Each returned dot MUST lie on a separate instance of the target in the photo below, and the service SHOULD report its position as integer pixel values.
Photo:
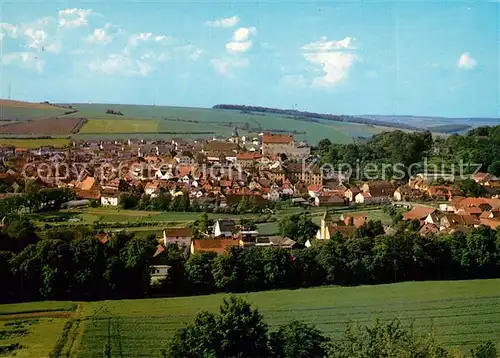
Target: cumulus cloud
(238, 46)
(241, 40)
(128, 65)
(466, 61)
(26, 60)
(225, 22)
(334, 58)
(9, 30)
(100, 36)
(227, 66)
(243, 33)
(71, 18)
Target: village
(221, 173)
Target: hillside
(462, 314)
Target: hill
(462, 313)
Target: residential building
(218, 246)
(276, 144)
(110, 198)
(224, 228)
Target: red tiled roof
(214, 245)
(418, 213)
(248, 156)
(178, 232)
(277, 138)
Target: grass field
(119, 126)
(462, 313)
(35, 143)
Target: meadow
(461, 313)
(35, 143)
(114, 216)
(119, 126)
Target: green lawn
(462, 313)
(35, 143)
(119, 126)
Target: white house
(273, 195)
(152, 190)
(110, 198)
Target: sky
(434, 58)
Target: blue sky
(419, 58)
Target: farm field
(35, 143)
(51, 126)
(119, 126)
(462, 314)
(19, 110)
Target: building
(224, 228)
(305, 173)
(110, 198)
(218, 246)
(329, 228)
(180, 236)
(276, 144)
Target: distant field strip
(119, 126)
(35, 143)
(51, 126)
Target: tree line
(478, 146)
(73, 264)
(239, 330)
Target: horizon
(436, 59)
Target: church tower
(325, 221)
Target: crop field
(34, 329)
(221, 122)
(462, 314)
(18, 110)
(35, 143)
(51, 126)
(119, 126)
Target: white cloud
(324, 45)
(238, 46)
(243, 33)
(135, 39)
(99, 37)
(125, 64)
(191, 52)
(9, 29)
(466, 61)
(334, 58)
(241, 40)
(71, 18)
(227, 22)
(226, 66)
(26, 60)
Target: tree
(494, 168)
(470, 188)
(298, 227)
(298, 340)
(383, 341)
(199, 271)
(485, 350)
(237, 331)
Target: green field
(35, 143)
(20, 113)
(119, 126)
(214, 122)
(462, 314)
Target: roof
(177, 232)
(226, 224)
(248, 156)
(213, 245)
(428, 229)
(342, 230)
(418, 213)
(492, 223)
(87, 183)
(277, 138)
(159, 250)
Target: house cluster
(460, 214)
(222, 171)
(224, 233)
